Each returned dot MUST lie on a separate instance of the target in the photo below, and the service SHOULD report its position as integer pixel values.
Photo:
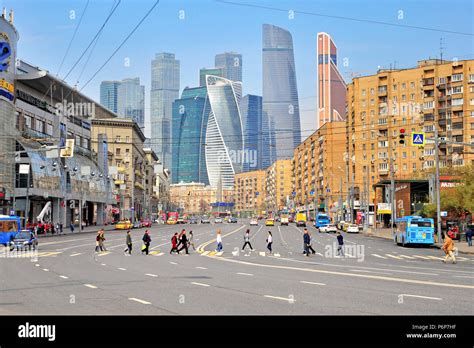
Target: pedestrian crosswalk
(416, 257)
(28, 254)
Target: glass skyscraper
(281, 116)
(251, 111)
(209, 71)
(109, 94)
(224, 138)
(131, 101)
(164, 91)
(190, 117)
(231, 63)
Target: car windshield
(22, 236)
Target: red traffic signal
(402, 136)
(402, 130)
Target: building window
(404, 97)
(412, 85)
(457, 102)
(127, 139)
(456, 90)
(39, 126)
(117, 139)
(404, 85)
(394, 87)
(117, 152)
(414, 166)
(412, 96)
(413, 154)
(372, 91)
(49, 129)
(404, 155)
(363, 92)
(405, 167)
(383, 166)
(456, 77)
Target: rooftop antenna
(11, 16)
(441, 49)
(4, 13)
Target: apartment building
(278, 185)
(249, 192)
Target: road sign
(257, 193)
(293, 193)
(444, 214)
(311, 192)
(418, 139)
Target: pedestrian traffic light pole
(438, 199)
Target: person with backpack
(340, 244)
(146, 241)
(174, 243)
(128, 242)
(184, 242)
(247, 240)
(269, 242)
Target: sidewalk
(386, 233)
(89, 229)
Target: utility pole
(438, 201)
(340, 200)
(392, 187)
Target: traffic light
(401, 136)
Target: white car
(218, 220)
(328, 228)
(353, 229)
(254, 222)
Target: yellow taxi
(270, 222)
(171, 222)
(123, 225)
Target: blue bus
(9, 227)
(322, 220)
(414, 230)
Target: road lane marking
(219, 253)
(104, 253)
(424, 297)
(421, 257)
(76, 254)
(203, 245)
(464, 277)
(122, 269)
(199, 267)
(393, 257)
(64, 241)
(64, 277)
(37, 265)
(245, 274)
(138, 300)
(436, 258)
(91, 286)
(173, 263)
(103, 264)
(363, 270)
(407, 257)
(262, 253)
(205, 253)
(382, 257)
(151, 275)
(212, 253)
(45, 269)
(280, 298)
(312, 283)
(200, 284)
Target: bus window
(420, 223)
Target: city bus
(322, 220)
(10, 225)
(414, 230)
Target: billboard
(8, 42)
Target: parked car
(205, 220)
(232, 220)
(137, 224)
(24, 240)
(254, 222)
(217, 220)
(193, 220)
(270, 222)
(146, 223)
(123, 225)
(328, 228)
(352, 228)
(171, 221)
(180, 220)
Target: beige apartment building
(278, 185)
(433, 95)
(319, 166)
(196, 198)
(249, 192)
(127, 163)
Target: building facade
(331, 85)
(432, 95)
(320, 171)
(209, 71)
(224, 138)
(251, 110)
(190, 118)
(249, 193)
(131, 101)
(164, 90)
(278, 185)
(281, 115)
(231, 64)
(109, 95)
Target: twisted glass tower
(224, 137)
(281, 115)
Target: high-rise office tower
(164, 90)
(281, 115)
(190, 117)
(251, 111)
(109, 94)
(231, 63)
(131, 101)
(331, 85)
(209, 71)
(224, 138)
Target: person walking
(310, 247)
(247, 240)
(61, 228)
(448, 247)
(469, 234)
(269, 242)
(184, 242)
(128, 242)
(219, 241)
(180, 235)
(174, 243)
(102, 240)
(71, 227)
(146, 241)
(306, 242)
(340, 244)
(190, 240)
(97, 242)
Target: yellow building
(127, 163)
(196, 198)
(319, 167)
(249, 192)
(434, 94)
(278, 185)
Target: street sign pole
(438, 201)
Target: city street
(375, 277)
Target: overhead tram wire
(123, 42)
(72, 38)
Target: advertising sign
(8, 40)
(384, 208)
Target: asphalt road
(66, 276)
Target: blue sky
(211, 27)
